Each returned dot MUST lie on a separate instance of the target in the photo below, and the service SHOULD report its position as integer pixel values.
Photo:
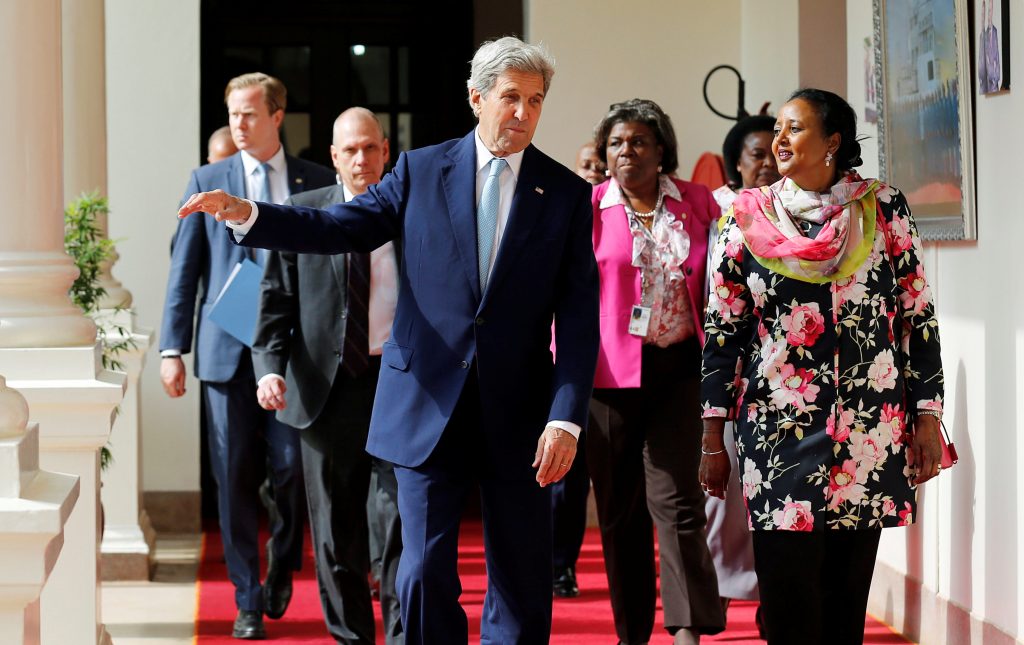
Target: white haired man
(496, 244)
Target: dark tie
(357, 325)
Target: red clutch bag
(949, 456)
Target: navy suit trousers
(241, 436)
(517, 539)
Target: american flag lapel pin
(540, 191)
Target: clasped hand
(270, 393)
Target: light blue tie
(262, 176)
(487, 219)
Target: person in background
(823, 347)
(643, 446)
(242, 436)
(322, 322)
(569, 496)
(749, 163)
(748, 158)
(220, 145)
(589, 164)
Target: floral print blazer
(819, 377)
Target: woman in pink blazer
(643, 445)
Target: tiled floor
(162, 611)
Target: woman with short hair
(643, 442)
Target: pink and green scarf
(768, 218)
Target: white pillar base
(73, 399)
(128, 537)
(34, 507)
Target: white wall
(153, 133)
(656, 49)
(860, 25)
(770, 51)
(963, 565)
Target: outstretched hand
(219, 204)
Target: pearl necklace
(646, 218)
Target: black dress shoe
(277, 592)
(565, 583)
(249, 626)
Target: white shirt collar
(613, 196)
(484, 156)
(250, 163)
(349, 195)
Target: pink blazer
(618, 362)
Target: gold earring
(828, 159)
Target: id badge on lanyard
(639, 320)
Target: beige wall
(770, 52)
(612, 51)
(958, 576)
(153, 133)
(823, 44)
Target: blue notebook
(237, 305)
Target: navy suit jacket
(544, 271)
(202, 258)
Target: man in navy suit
(496, 247)
(243, 437)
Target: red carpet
(586, 619)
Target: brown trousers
(643, 451)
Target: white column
(34, 506)
(47, 348)
(128, 536)
(35, 273)
(85, 117)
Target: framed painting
(925, 117)
(993, 46)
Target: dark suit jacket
(300, 330)
(544, 270)
(202, 257)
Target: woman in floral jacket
(820, 337)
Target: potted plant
(90, 249)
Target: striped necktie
(357, 324)
(487, 219)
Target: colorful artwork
(993, 46)
(925, 122)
